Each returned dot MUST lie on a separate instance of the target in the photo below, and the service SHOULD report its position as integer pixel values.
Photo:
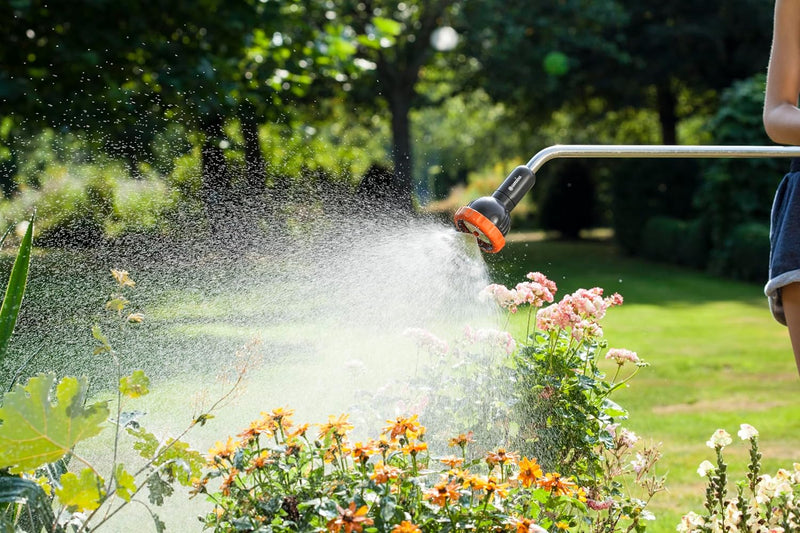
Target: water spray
(488, 218)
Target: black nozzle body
(515, 186)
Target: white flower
(747, 432)
(628, 438)
(704, 468)
(639, 463)
(690, 523)
(719, 439)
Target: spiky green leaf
(15, 289)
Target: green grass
(717, 357)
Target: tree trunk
(255, 166)
(667, 102)
(216, 182)
(400, 104)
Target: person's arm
(781, 114)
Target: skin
(782, 121)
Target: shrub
(676, 241)
(736, 191)
(744, 254)
(642, 189)
(542, 395)
(568, 202)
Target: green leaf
(84, 493)
(15, 289)
(613, 409)
(159, 489)
(387, 26)
(36, 430)
(135, 385)
(104, 344)
(126, 483)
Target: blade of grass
(15, 289)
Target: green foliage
(744, 254)
(641, 189)
(734, 191)
(568, 198)
(672, 240)
(42, 423)
(15, 290)
(40, 427)
(80, 493)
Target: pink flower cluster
(428, 341)
(578, 312)
(622, 356)
(536, 292)
(492, 337)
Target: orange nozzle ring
(490, 238)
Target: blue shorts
(784, 237)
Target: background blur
(120, 117)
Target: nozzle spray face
(488, 218)
(485, 218)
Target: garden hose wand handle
(489, 219)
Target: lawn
(717, 358)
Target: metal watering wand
(489, 218)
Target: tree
(200, 62)
(395, 37)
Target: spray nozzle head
(487, 219)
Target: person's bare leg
(790, 294)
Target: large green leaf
(36, 430)
(15, 289)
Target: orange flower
(337, 427)
(442, 492)
(452, 461)
(256, 428)
(406, 527)
(225, 486)
(524, 525)
(529, 472)
(557, 486)
(299, 431)
(383, 473)
(493, 487)
(462, 440)
(221, 451)
(383, 444)
(362, 452)
(474, 482)
(500, 457)
(413, 448)
(350, 519)
(402, 425)
(260, 461)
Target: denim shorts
(784, 237)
